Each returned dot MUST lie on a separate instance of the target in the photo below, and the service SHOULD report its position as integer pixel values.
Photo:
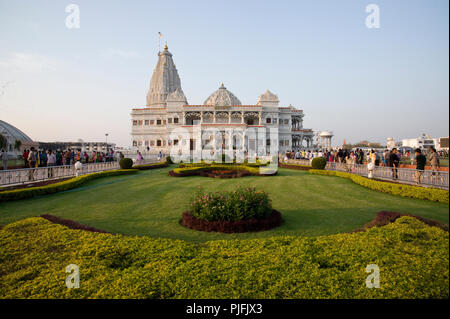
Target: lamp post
(106, 137)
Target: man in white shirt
(51, 158)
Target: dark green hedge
(318, 163)
(126, 163)
(150, 166)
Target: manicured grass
(151, 202)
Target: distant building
(423, 142)
(443, 143)
(83, 146)
(325, 139)
(390, 143)
(17, 141)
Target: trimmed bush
(23, 193)
(189, 170)
(224, 173)
(384, 218)
(241, 204)
(150, 166)
(427, 193)
(72, 224)
(295, 166)
(318, 163)
(239, 226)
(169, 160)
(126, 163)
(413, 259)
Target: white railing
(39, 174)
(438, 179)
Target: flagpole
(159, 41)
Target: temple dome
(222, 97)
(12, 133)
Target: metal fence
(438, 179)
(39, 174)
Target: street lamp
(106, 136)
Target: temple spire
(165, 80)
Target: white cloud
(27, 62)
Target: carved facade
(222, 112)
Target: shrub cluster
(239, 226)
(295, 166)
(150, 166)
(413, 259)
(258, 163)
(169, 160)
(383, 218)
(224, 173)
(241, 204)
(23, 193)
(71, 224)
(318, 163)
(192, 170)
(428, 193)
(126, 163)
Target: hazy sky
(64, 84)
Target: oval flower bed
(242, 210)
(206, 169)
(224, 173)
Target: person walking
(393, 162)
(371, 164)
(32, 158)
(67, 157)
(25, 157)
(51, 161)
(386, 158)
(434, 161)
(420, 160)
(4, 156)
(58, 157)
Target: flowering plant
(243, 203)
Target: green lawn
(151, 202)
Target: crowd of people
(389, 158)
(44, 158)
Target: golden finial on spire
(165, 47)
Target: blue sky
(64, 84)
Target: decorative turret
(165, 80)
(268, 99)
